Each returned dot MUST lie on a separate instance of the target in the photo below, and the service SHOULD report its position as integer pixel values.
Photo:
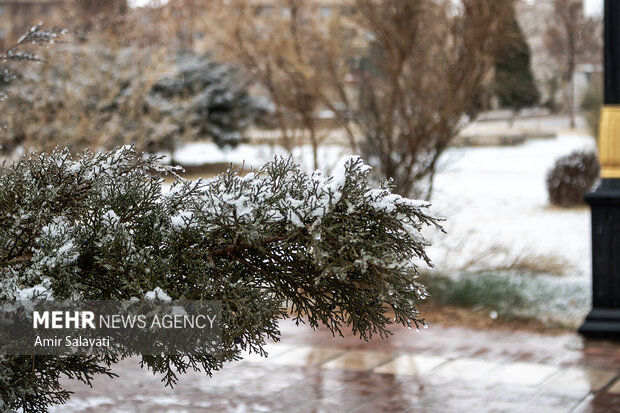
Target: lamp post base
(602, 323)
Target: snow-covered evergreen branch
(103, 227)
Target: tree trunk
(315, 147)
(571, 100)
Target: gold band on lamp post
(609, 141)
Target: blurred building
(535, 18)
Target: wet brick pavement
(436, 370)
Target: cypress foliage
(515, 85)
(102, 227)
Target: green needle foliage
(515, 85)
(102, 226)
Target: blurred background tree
(394, 81)
(572, 38)
(551, 85)
(274, 48)
(397, 76)
(591, 103)
(514, 83)
(102, 97)
(92, 15)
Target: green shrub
(491, 290)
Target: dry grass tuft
(501, 258)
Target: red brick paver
(436, 370)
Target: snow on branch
(37, 36)
(101, 227)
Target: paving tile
(306, 356)
(324, 382)
(443, 369)
(232, 377)
(396, 399)
(242, 403)
(498, 407)
(601, 354)
(410, 365)
(581, 379)
(354, 395)
(552, 401)
(531, 408)
(275, 382)
(339, 402)
(273, 350)
(358, 360)
(452, 403)
(466, 369)
(602, 402)
(615, 388)
(384, 404)
(442, 405)
(583, 407)
(291, 374)
(289, 401)
(418, 397)
(512, 393)
(371, 384)
(523, 374)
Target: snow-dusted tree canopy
(103, 227)
(151, 100)
(19, 52)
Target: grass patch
(511, 295)
(487, 290)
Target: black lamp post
(603, 321)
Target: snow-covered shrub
(571, 178)
(98, 97)
(100, 227)
(21, 52)
(215, 102)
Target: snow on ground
(496, 197)
(200, 153)
(497, 210)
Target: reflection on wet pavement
(436, 370)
